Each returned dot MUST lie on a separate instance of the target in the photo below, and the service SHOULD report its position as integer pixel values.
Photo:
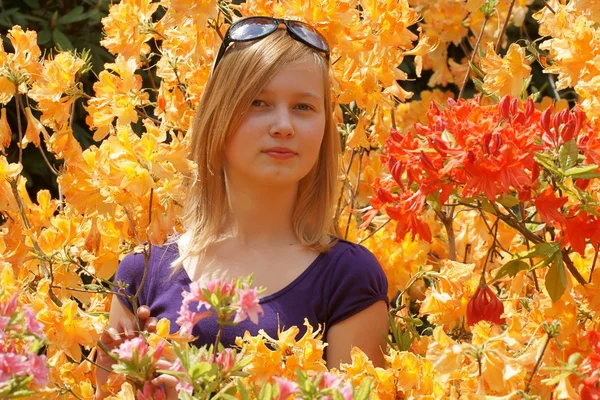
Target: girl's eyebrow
(299, 94)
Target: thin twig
(537, 364)
(593, 266)
(20, 128)
(360, 156)
(572, 268)
(548, 7)
(553, 86)
(376, 230)
(338, 209)
(447, 220)
(499, 42)
(531, 263)
(462, 88)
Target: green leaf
(556, 279)
(242, 390)
(433, 199)
(487, 206)
(567, 155)
(574, 358)
(477, 70)
(71, 16)
(337, 395)
(511, 268)
(364, 390)
(584, 172)
(508, 201)
(488, 8)
(61, 40)
(266, 393)
(35, 4)
(197, 370)
(44, 36)
(558, 378)
(547, 163)
(8, 12)
(539, 250)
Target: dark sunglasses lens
(309, 35)
(251, 28)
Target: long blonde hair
(234, 84)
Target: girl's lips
(280, 156)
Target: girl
(266, 149)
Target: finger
(150, 325)
(143, 312)
(128, 329)
(169, 383)
(110, 336)
(163, 364)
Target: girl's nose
(282, 124)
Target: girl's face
(288, 113)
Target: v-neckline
(187, 280)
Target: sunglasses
(253, 28)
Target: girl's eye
(305, 107)
(257, 103)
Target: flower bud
(484, 306)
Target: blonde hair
(234, 84)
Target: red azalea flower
(590, 387)
(484, 306)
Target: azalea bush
(214, 371)
(22, 369)
(482, 211)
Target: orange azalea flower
(126, 28)
(5, 131)
(34, 128)
(505, 76)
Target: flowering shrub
(482, 212)
(22, 369)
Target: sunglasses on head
(253, 28)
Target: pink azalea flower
(125, 350)
(3, 324)
(32, 324)
(330, 380)
(226, 360)
(38, 369)
(12, 364)
(188, 319)
(182, 386)
(249, 305)
(346, 391)
(150, 393)
(286, 388)
(196, 295)
(158, 351)
(6, 309)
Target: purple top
(335, 286)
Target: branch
(360, 156)
(462, 88)
(572, 269)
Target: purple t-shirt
(335, 286)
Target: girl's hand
(121, 329)
(113, 336)
(168, 382)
